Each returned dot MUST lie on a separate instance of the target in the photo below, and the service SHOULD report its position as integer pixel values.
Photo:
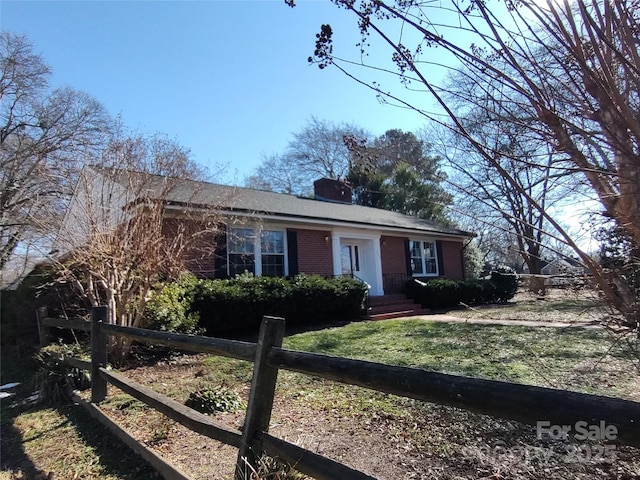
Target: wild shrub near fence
(170, 307)
(524, 403)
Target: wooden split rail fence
(524, 403)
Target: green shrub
(241, 302)
(169, 308)
(444, 293)
(506, 283)
(436, 293)
(472, 261)
(471, 292)
(214, 400)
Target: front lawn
(391, 437)
(385, 436)
(557, 305)
(587, 360)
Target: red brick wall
(393, 255)
(452, 259)
(315, 257)
(394, 260)
(314, 252)
(199, 257)
(394, 264)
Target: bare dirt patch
(400, 439)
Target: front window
(245, 245)
(241, 251)
(272, 253)
(423, 258)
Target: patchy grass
(592, 361)
(57, 440)
(558, 305)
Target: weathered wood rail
(524, 403)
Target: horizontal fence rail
(70, 323)
(511, 401)
(73, 362)
(524, 403)
(196, 421)
(310, 463)
(192, 343)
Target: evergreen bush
(240, 303)
(506, 284)
(169, 308)
(215, 400)
(443, 293)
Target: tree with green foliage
(397, 173)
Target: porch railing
(394, 282)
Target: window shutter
(407, 256)
(440, 258)
(220, 260)
(292, 251)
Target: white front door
(357, 254)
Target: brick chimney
(330, 190)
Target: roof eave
(302, 219)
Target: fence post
(263, 386)
(98, 354)
(43, 330)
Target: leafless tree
(572, 68)
(44, 137)
(530, 162)
(318, 150)
(129, 225)
(278, 173)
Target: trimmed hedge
(444, 293)
(241, 302)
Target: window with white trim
(245, 245)
(272, 253)
(423, 258)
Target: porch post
(336, 253)
(377, 263)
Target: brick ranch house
(267, 233)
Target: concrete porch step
(398, 314)
(388, 300)
(393, 306)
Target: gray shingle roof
(270, 204)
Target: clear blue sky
(227, 79)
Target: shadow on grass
(115, 457)
(17, 367)
(14, 457)
(23, 454)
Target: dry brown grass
(557, 305)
